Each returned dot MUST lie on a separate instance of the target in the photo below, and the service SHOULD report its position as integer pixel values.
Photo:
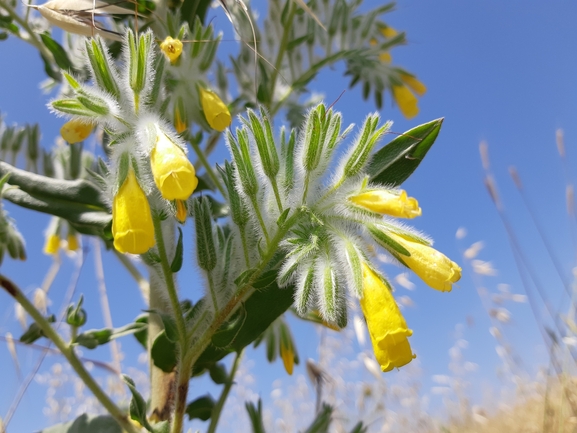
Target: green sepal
(101, 68)
(34, 332)
(73, 107)
(163, 353)
(76, 315)
(200, 408)
(178, 254)
(369, 137)
(396, 161)
(137, 408)
(205, 248)
(386, 241)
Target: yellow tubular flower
(406, 101)
(288, 358)
(172, 48)
(389, 32)
(387, 326)
(132, 226)
(173, 173)
(385, 202)
(75, 131)
(433, 267)
(72, 243)
(414, 84)
(181, 212)
(215, 111)
(52, 244)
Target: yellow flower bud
(386, 57)
(389, 32)
(132, 226)
(385, 202)
(406, 101)
(172, 48)
(433, 267)
(288, 357)
(75, 131)
(414, 84)
(215, 111)
(181, 212)
(173, 173)
(386, 324)
(180, 123)
(72, 242)
(52, 244)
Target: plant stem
(281, 51)
(68, 352)
(244, 247)
(245, 291)
(207, 167)
(169, 279)
(142, 282)
(277, 195)
(32, 38)
(260, 220)
(212, 291)
(216, 411)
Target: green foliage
(200, 408)
(87, 424)
(396, 161)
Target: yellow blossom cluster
(386, 324)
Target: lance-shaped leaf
(396, 161)
(87, 424)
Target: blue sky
(503, 72)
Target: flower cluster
(126, 102)
(339, 221)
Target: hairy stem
(281, 51)
(216, 411)
(68, 352)
(207, 167)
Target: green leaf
(142, 335)
(226, 334)
(178, 254)
(163, 353)
(137, 404)
(60, 56)
(200, 408)
(322, 422)
(169, 324)
(218, 374)
(396, 161)
(255, 415)
(87, 424)
(261, 309)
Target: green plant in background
(292, 220)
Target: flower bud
(75, 131)
(173, 173)
(181, 211)
(172, 48)
(433, 267)
(406, 100)
(386, 324)
(215, 111)
(132, 226)
(72, 242)
(389, 203)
